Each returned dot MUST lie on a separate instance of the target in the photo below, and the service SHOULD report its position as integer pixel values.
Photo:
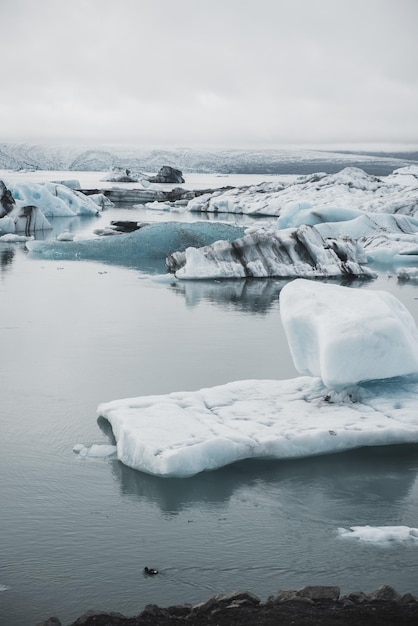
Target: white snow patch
(385, 535)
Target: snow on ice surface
(52, 199)
(183, 433)
(350, 189)
(346, 336)
(280, 253)
(383, 535)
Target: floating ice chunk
(295, 214)
(183, 433)
(381, 534)
(346, 335)
(13, 238)
(53, 199)
(281, 253)
(407, 273)
(4, 588)
(95, 451)
(391, 248)
(66, 235)
(102, 200)
(370, 225)
(351, 189)
(151, 241)
(7, 225)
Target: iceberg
(53, 199)
(351, 189)
(184, 433)
(276, 253)
(18, 217)
(151, 242)
(374, 332)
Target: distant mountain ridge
(270, 161)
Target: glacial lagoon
(77, 533)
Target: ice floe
(351, 189)
(383, 535)
(184, 433)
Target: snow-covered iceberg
(184, 433)
(281, 253)
(350, 189)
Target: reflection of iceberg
(380, 471)
(151, 242)
(250, 295)
(183, 433)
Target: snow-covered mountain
(273, 161)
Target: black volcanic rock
(311, 606)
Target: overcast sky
(239, 73)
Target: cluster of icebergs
(327, 225)
(358, 353)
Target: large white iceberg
(351, 189)
(183, 433)
(346, 336)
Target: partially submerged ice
(346, 336)
(279, 253)
(152, 241)
(183, 433)
(25, 207)
(349, 189)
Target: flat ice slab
(346, 336)
(184, 433)
(384, 535)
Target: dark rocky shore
(321, 606)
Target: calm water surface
(76, 534)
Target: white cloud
(222, 71)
